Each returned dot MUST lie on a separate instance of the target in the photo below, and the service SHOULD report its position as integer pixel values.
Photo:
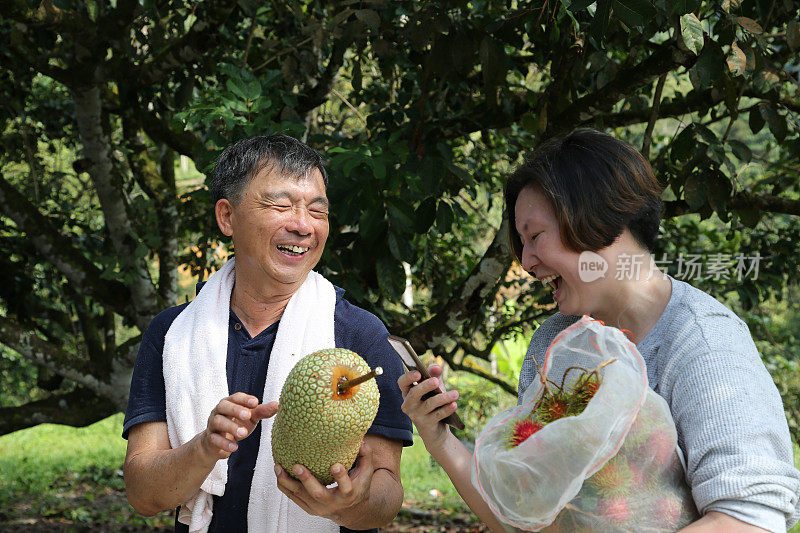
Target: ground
(86, 508)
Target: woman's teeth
(546, 281)
(293, 250)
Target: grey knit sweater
(731, 425)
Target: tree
(421, 108)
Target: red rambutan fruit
(614, 477)
(614, 509)
(523, 429)
(668, 511)
(660, 446)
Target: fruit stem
(345, 383)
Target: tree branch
(31, 347)
(77, 409)
(742, 200)
(648, 132)
(666, 58)
(57, 249)
(477, 291)
(204, 35)
(511, 389)
(96, 146)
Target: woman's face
(545, 256)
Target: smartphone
(412, 362)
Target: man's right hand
(233, 419)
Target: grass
(74, 474)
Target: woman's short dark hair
(597, 185)
(242, 161)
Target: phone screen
(412, 362)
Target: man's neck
(259, 309)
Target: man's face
(279, 227)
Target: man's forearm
(385, 499)
(157, 479)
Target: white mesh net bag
(591, 448)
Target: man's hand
(338, 503)
(233, 419)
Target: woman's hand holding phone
(428, 411)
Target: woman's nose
(529, 259)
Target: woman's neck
(636, 305)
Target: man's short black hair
(242, 161)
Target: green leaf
(578, 5)
(737, 61)
(684, 145)
(695, 191)
(634, 12)
(444, 217)
(741, 150)
(749, 25)
(692, 33)
(369, 17)
(719, 193)
(749, 217)
(245, 86)
(401, 215)
(529, 122)
(599, 25)
(391, 277)
(378, 165)
(401, 248)
(681, 7)
(706, 134)
(424, 215)
(775, 122)
(493, 61)
(793, 34)
(356, 81)
(710, 65)
(755, 120)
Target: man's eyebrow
(283, 195)
(320, 200)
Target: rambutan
(523, 428)
(552, 407)
(614, 509)
(668, 511)
(660, 446)
(614, 477)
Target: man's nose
(300, 221)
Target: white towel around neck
(195, 354)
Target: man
(193, 444)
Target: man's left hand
(337, 503)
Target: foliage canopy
(420, 107)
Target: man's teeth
(293, 249)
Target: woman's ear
(224, 212)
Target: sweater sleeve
(731, 424)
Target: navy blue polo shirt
(354, 329)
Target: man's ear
(224, 211)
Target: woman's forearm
(455, 459)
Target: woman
(589, 192)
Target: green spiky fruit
(317, 425)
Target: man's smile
(293, 249)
